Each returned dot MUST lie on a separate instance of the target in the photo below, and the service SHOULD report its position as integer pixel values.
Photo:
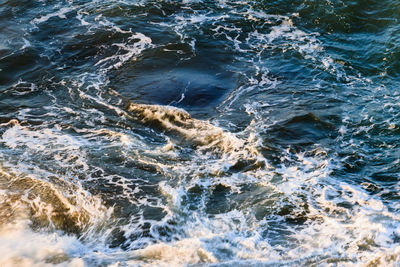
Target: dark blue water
(176, 133)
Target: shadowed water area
(199, 133)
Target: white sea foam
(61, 13)
(180, 253)
(18, 136)
(20, 246)
(366, 226)
(140, 43)
(22, 88)
(29, 200)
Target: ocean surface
(199, 133)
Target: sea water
(194, 132)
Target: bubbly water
(194, 132)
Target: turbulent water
(194, 132)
